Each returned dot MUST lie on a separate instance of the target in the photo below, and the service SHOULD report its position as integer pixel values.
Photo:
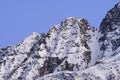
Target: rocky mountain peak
(71, 50)
(111, 20)
(73, 20)
(110, 29)
(117, 5)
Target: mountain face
(72, 50)
(110, 29)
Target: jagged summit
(71, 50)
(111, 20)
(73, 20)
(117, 5)
(110, 38)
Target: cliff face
(72, 50)
(110, 29)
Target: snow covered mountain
(72, 50)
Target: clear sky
(19, 18)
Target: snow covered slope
(72, 50)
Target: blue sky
(19, 18)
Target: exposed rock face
(71, 38)
(72, 50)
(110, 29)
(4, 52)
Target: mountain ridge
(72, 50)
